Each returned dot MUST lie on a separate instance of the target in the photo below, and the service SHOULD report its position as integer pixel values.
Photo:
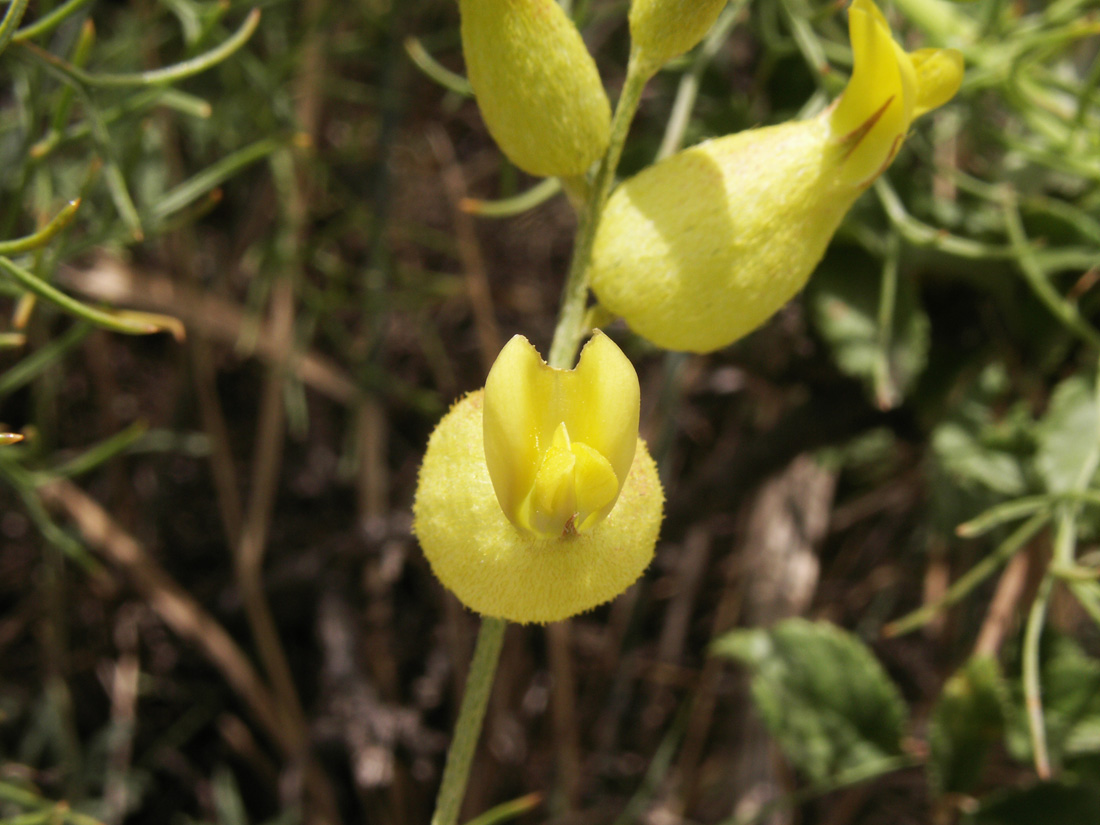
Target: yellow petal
(513, 574)
(536, 417)
(517, 391)
(603, 402)
(939, 75)
(872, 116)
(597, 485)
(552, 502)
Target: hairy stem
(479, 684)
(570, 328)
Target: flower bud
(536, 498)
(663, 29)
(536, 85)
(702, 248)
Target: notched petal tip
(559, 443)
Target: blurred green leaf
(845, 305)
(967, 721)
(1048, 803)
(963, 454)
(1069, 436)
(822, 694)
(227, 798)
(981, 452)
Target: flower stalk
(460, 756)
(570, 328)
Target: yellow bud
(663, 29)
(536, 85)
(702, 248)
(536, 498)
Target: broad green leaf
(822, 694)
(1048, 803)
(979, 452)
(964, 455)
(1069, 436)
(967, 720)
(845, 306)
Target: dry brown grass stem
(187, 619)
(115, 282)
(469, 249)
(563, 700)
(175, 607)
(1015, 589)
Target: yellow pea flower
(703, 247)
(663, 29)
(536, 85)
(536, 498)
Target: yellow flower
(663, 29)
(702, 248)
(536, 85)
(536, 498)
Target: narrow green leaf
(516, 205)
(44, 235)
(508, 810)
(822, 694)
(200, 184)
(11, 21)
(153, 77)
(130, 323)
(435, 70)
(49, 22)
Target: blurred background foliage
(243, 276)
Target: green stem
(570, 328)
(1033, 698)
(11, 20)
(886, 392)
(153, 77)
(975, 576)
(44, 25)
(479, 684)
